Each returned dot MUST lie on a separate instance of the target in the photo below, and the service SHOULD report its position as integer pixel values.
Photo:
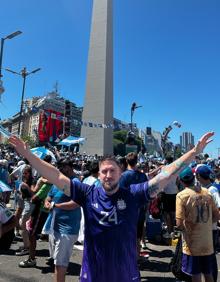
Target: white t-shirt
(215, 195)
(171, 187)
(90, 180)
(5, 214)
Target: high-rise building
(98, 105)
(186, 141)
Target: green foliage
(119, 142)
(120, 135)
(138, 142)
(177, 152)
(5, 142)
(118, 147)
(119, 138)
(31, 141)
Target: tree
(177, 152)
(120, 135)
(119, 147)
(119, 142)
(31, 141)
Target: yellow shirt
(196, 209)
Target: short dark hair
(94, 167)
(109, 158)
(189, 182)
(132, 158)
(217, 173)
(122, 161)
(169, 159)
(48, 159)
(64, 162)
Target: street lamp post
(133, 108)
(131, 136)
(24, 73)
(10, 36)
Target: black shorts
(141, 221)
(195, 265)
(169, 202)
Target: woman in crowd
(26, 188)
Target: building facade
(73, 118)
(49, 115)
(152, 141)
(186, 141)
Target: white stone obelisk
(98, 105)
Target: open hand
(203, 141)
(20, 146)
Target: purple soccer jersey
(110, 252)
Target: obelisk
(98, 104)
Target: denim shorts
(28, 208)
(194, 265)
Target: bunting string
(87, 123)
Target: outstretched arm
(52, 174)
(157, 183)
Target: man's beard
(110, 188)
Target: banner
(50, 125)
(58, 116)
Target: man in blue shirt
(63, 223)
(133, 176)
(111, 212)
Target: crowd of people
(102, 203)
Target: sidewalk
(155, 269)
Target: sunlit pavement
(153, 269)
(156, 268)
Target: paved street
(156, 269)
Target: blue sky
(166, 58)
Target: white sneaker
(78, 247)
(27, 263)
(22, 252)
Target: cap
(186, 175)
(20, 163)
(205, 172)
(4, 163)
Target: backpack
(176, 264)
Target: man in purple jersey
(110, 211)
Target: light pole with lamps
(133, 108)
(130, 140)
(10, 36)
(24, 73)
